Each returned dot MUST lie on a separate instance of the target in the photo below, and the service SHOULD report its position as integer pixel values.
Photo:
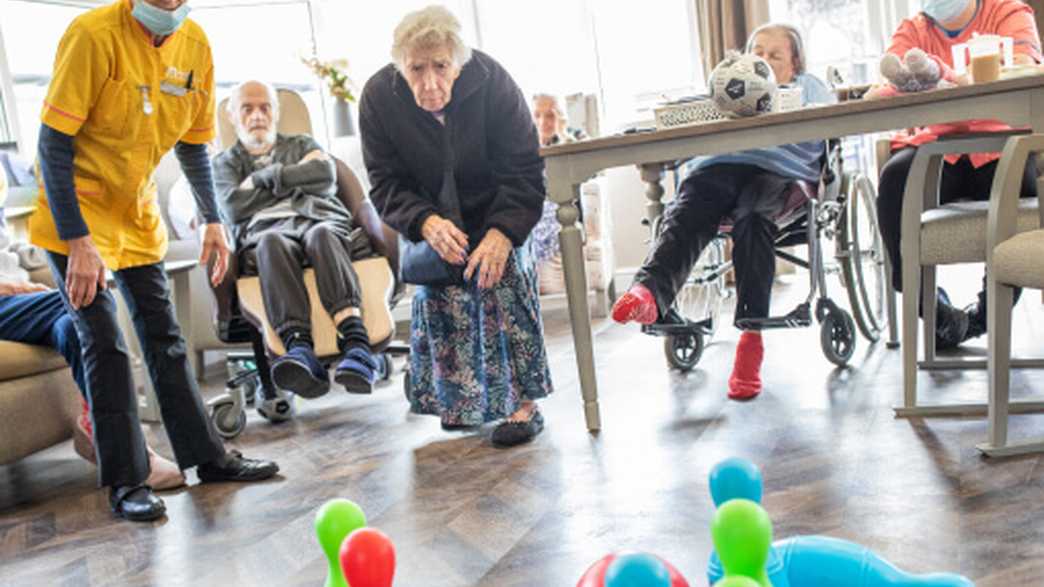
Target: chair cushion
(956, 233)
(375, 278)
(1017, 261)
(21, 360)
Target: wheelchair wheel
(228, 421)
(683, 351)
(701, 296)
(837, 337)
(862, 256)
(385, 369)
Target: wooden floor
(462, 513)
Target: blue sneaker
(357, 371)
(300, 371)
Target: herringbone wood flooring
(462, 513)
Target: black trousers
(118, 438)
(959, 181)
(279, 254)
(752, 197)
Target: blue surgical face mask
(160, 22)
(944, 10)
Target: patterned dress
(476, 354)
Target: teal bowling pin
(335, 520)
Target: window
(546, 45)
(264, 40)
(623, 52)
(30, 56)
(644, 50)
(850, 35)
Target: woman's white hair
(426, 29)
(797, 45)
(233, 99)
(556, 105)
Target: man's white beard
(254, 144)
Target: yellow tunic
(127, 103)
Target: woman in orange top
(939, 26)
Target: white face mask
(944, 10)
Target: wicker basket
(697, 111)
(703, 110)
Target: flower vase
(343, 125)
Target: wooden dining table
(1018, 102)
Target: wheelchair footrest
(799, 317)
(673, 324)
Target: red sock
(637, 305)
(85, 419)
(745, 382)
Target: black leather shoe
(951, 327)
(459, 427)
(236, 468)
(136, 503)
(976, 321)
(508, 433)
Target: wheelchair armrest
(385, 239)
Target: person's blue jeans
(40, 319)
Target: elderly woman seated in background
(552, 129)
(447, 134)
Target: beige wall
(627, 200)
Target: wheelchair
(240, 315)
(841, 208)
(241, 318)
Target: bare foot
(165, 474)
(524, 413)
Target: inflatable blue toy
(799, 561)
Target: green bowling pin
(336, 519)
(742, 533)
(737, 581)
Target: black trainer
(508, 433)
(236, 468)
(136, 503)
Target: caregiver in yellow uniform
(131, 81)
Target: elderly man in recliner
(278, 193)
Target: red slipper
(745, 382)
(637, 305)
(83, 442)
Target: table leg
(652, 175)
(571, 239)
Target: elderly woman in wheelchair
(752, 188)
(277, 192)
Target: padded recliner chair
(240, 308)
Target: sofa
(39, 402)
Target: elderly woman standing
(441, 113)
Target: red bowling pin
(368, 558)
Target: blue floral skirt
(476, 354)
